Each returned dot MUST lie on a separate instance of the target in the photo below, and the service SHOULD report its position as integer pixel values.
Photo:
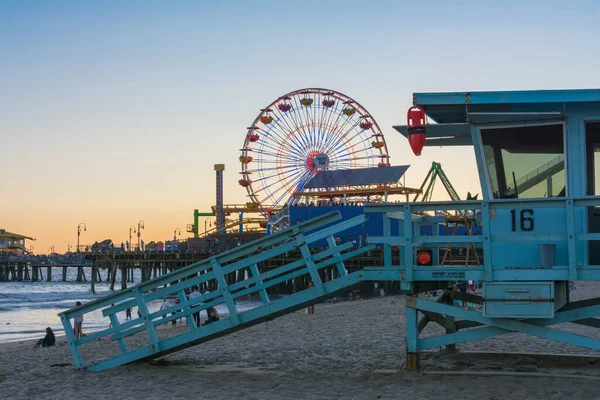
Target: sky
(113, 112)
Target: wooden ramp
(214, 272)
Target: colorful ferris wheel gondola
(301, 134)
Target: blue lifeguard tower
(537, 158)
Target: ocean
(27, 308)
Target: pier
(123, 269)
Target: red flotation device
(416, 129)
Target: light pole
(175, 234)
(139, 232)
(209, 224)
(129, 246)
(79, 232)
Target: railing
(511, 232)
(537, 175)
(49, 261)
(213, 273)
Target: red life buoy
(416, 128)
(423, 257)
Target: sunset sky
(112, 112)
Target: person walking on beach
(165, 304)
(47, 341)
(128, 314)
(78, 320)
(311, 308)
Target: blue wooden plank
(340, 266)
(412, 330)
(542, 237)
(115, 322)
(571, 246)
(387, 232)
(71, 339)
(310, 264)
(188, 316)
(408, 249)
(224, 288)
(487, 245)
(264, 297)
(508, 97)
(402, 240)
(143, 309)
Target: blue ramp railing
(140, 339)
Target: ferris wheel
(301, 134)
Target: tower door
(592, 132)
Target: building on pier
(13, 242)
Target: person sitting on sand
(213, 315)
(48, 340)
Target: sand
(348, 350)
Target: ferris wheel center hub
(317, 161)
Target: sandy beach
(348, 350)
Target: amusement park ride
(538, 160)
(298, 136)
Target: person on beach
(165, 304)
(47, 341)
(211, 314)
(195, 293)
(311, 308)
(128, 314)
(78, 320)
(174, 322)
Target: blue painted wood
(188, 315)
(71, 339)
(340, 266)
(264, 297)
(150, 328)
(224, 289)
(387, 231)
(509, 97)
(310, 264)
(487, 243)
(115, 322)
(571, 241)
(409, 252)
(518, 299)
(412, 330)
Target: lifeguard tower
(537, 157)
(538, 160)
